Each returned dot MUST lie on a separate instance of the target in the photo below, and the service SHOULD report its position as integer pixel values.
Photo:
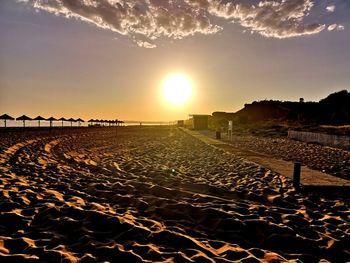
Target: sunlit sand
(174, 131)
(155, 194)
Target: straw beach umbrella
(39, 118)
(24, 118)
(6, 117)
(71, 121)
(51, 119)
(95, 122)
(62, 120)
(79, 121)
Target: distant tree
(301, 100)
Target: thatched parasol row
(25, 118)
(105, 121)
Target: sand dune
(155, 194)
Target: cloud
(278, 19)
(335, 27)
(145, 44)
(340, 27)
(330, 8)
(150, 18)
(332, 27)
(177, 19)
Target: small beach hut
(24, 118)
(51, 119)
(62, 120)
(6, 117)
(39, 118)
(200, 121)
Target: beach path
(309, 177)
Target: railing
(336, 141)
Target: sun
(177, 89)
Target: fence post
(296, 175)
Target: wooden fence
(337, 141)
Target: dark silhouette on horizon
(39, 118)
(24, 118)
(92, 122)
(6, 117)
(51, 119)
(62, 120)
(332, 110)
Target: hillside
(332, 110)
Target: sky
(108, 59)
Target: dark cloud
(176, 19)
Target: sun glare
(177, 89)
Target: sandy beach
(326, 159)
(155, 194)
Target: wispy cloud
(278, 19)
(330, 8)
(145, 44)
(335, 27)
(176, 19)
(332, 27)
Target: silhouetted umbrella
(62, 119)
(51, 119)
(97, 122)
(24, 118)
(79, 121)
(91, 121)
(6, 117)
(39, 118)
(71, 121)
